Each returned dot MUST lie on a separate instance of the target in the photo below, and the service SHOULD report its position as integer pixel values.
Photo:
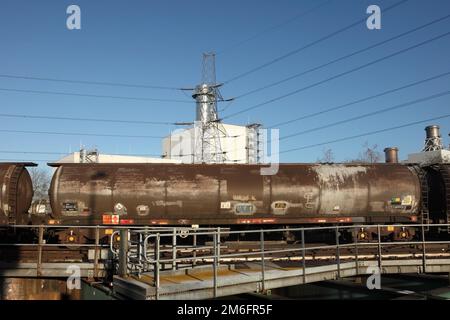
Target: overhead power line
(100, 83)
(68, 153)
(32, 152)
(342, 106)
(342, 58)
(339, 75)
(26, 116)
(367, 133)
(398, 106)
(239, 76)
(27, 160)
(270, 29)
(93, 95)
(80, 134)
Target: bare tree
(370, 154)
(41, 182)
(327, 156)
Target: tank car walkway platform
(198, 283)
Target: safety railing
(155, 250)
(15, 238)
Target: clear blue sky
(161, 43)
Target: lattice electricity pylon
(208, 129)
(208, 144)
(209, 69)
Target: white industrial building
(238, 144)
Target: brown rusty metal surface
(445, 175)
(49, 254)
(36, 289)
(233, 194)
(16, 192)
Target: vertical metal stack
(208, 129)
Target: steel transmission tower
(208, 129)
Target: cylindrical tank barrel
(432, 132)
(230, 194)
(391, 155)
(16, 192)
(206, 103)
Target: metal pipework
(391, 155)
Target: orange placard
(110, 219)
(106, 219)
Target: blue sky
(161, 43)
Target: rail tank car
(16, 193)
(438, 193)
(183, 194)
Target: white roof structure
(429, 157)
(110, 158)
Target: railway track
(49, 254)
(231, 251)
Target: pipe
(432, 132)
(391, 155)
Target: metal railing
(40, 237)
(156, 250)
(139, 250)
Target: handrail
(213, 255)
(150, 247)
(111, 242)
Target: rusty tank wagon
(16, 193)
(235, 196)
(183, 194)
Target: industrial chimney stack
(391, 155)
(433, 140)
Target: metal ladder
(13, 177)
(445, 174)
(424, 214)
